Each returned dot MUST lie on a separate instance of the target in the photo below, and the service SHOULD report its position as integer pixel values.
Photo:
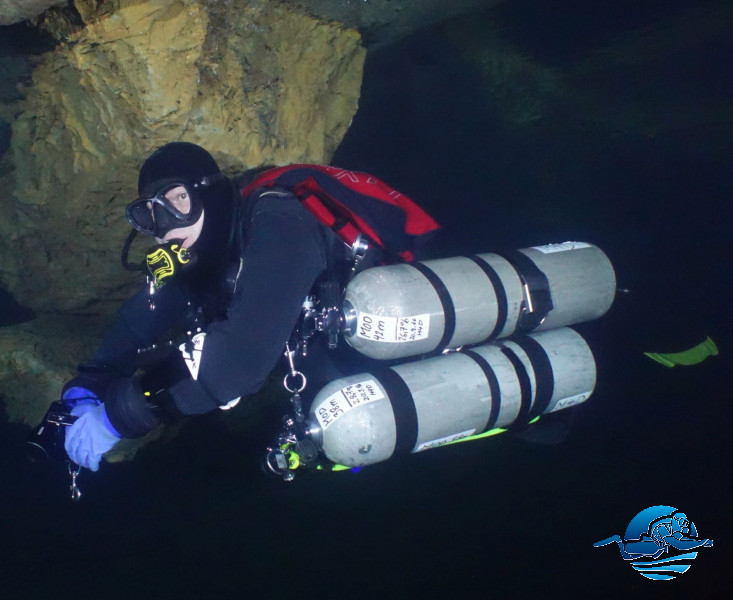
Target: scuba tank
(367, 418)
(469, 382)
(411, 309)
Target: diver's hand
(90, 436)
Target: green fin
(692, 356)
(333, 468)
(489, 433)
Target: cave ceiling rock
(265, 85)
(383, 22)
(15, 11)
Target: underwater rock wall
(260, 84)
(37, 358)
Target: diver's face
(179, 199)
(187, 235)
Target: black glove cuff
(159, 399)
(128, 410)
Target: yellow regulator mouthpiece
(166, 260)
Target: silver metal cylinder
(413, 309)
(364, 419)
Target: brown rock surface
(270, 86)
(266, 84)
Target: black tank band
(544, 378)
(493, 382)
(501, 301)
(446, 301)
(539, 289)
(525, 389)
(403, 407)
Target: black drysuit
(284, 252)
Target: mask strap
(210, 180)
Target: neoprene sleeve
(284, 255)
(136, 326)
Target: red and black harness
(353, 204)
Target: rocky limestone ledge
(14, 11)
(37, 358)
(260, 84)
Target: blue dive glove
(80, 399)
(92, 434)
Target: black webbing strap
(446, 301)
(493, 382)
(502, 307)
(525, 389)
(403, 407)
(544, 378)
(539, 289)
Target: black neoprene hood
(194, 167)
(180, 161)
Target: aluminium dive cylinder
(412, 309)
(367, 418)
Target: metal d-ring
(294, 374)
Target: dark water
(492, 519)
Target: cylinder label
(571, 401)
(445, 440)
(392, 329)
(346, 399)
(550, 248)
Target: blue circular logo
(658, 543)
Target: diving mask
(174, 205)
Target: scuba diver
(279, 261)
(233, 263)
